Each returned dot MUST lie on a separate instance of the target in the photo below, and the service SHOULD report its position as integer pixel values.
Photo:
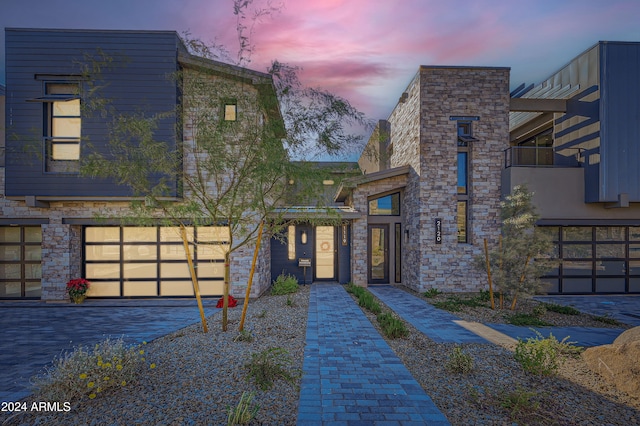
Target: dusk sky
(365, 50)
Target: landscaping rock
(619, 362)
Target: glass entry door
(325, 253)
(378, 259)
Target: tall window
(63, 127)
(464, 139)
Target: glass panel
(140, 288)
(325, 252)
(634, 250)
(576, 233)
(33, 272)
(291, 242)
(462, 221)
(10, 290)
(611, 267)
(230, 112)
(33, 234)
(62, 89)
(10, 271)
(398, 254)
(576, 268)
(32, 253)
(176, 288)
(210, 270)
(385, 206)
(102, 270)
(576, 251)
(140, 252)
(104, 289)
(97, 234)
(9, 234)
(634, 233)
(65, 128)
(65, 151)
(576, 285)
(634, 267)
(550, 231)
(213, 251)
(172, 234)
(213, 234)
(139, 270)
(135, 234)
(378, 265)
(9, 253)
(174, 270)
(610, 233)
(67, 108)
(554, 269)
(610, 250)
(33, 289)
(550, 285)
(634, 285)
(176, 252)
(102, 252)
(610, 285)
(462, 173)
(211, 288)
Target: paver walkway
(33, 332)
(436, 324)
(622, 307)
(351, 376)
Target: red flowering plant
(77, 287)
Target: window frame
(52, 164)
(464, 130)
(381, 196)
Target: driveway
(33, 332)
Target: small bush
(367, 301)
(561, 309)
(606, 319)
(392, 327)
(526, 320)
(354, 289)
(541, 356)
(450, 305)
(269, 365)
(459, 361)
(243, 336)
(539, 310)
(519, 402)
(431, 293)
(484, 296)
(87, 373)
(284, 284)
(244, 412)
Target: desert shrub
(451, 305)
(431, 293)
(561, 309)
(354, 289)
(83, 372)
(244, 412)
(392, 327)
(459, 361)
(529, 320)
(270, 365)
(519, 402)
(606, 319)
(539, 310)
(541, 356)
(367, 301)
(243, 336)
(284, 284)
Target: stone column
(61, 259)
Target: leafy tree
(232, 174)
(523, 253)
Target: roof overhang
(310, 212)
(349, 184)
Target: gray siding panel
(139, 78)
(620, 109)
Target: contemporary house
(65, 88)
(414, 210)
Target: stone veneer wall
(432, 191)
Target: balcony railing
(531, 156)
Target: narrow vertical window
(398, 253)
(291, 242)
(63, 127)
(464, 139)
(230, 111)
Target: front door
(378, 262)
(325, 247)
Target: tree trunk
(225, 289)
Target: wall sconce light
(406, 235)
(303, 237)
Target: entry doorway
(378, 250)
(325, 249)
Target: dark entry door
(378, 254)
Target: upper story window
(388, 205)
(230, 112)
(62, 127)
(465, 137)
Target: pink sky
(367, 50)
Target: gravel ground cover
(198, 375)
